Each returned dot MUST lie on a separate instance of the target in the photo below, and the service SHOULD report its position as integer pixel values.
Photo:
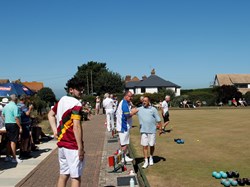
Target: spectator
(241, 102)
(234, 102)
(108, 104)
(165, 111)
(185, 103)
(26, 126)
(97, 105)
(65, 121)
(13, 128)
(2, 125)
(124, 122)
(148, 118)
(141, 101)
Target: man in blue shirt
(13, 127)
(148, 119)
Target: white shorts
(147, 139)
(124, 138)
(69, 162)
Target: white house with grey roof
(151, 84)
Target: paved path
(43, 169)
(47, 172)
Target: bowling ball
(214, 173)
(229, 174)
(218, 176)
(234, 183)
(226, 183)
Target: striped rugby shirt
(67, 109)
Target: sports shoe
(145, 165)
(7, 159)
(151, 161)
(17, 160)
(128, 159)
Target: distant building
(34, 86)
(3, 81)
(151, 84)
(240, 81)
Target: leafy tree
(247, 97)
(46, 94)
(225, 93)
(99, 79)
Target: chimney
(144, 77)
(153, 72)
(128, 78)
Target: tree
(46, 94)
(99, 79)
(225, 93)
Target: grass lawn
(215, 140)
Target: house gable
(241, 81)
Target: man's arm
(77, 129)
(52, 122)
(19, 124)
(29, 110)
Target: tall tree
(99, 79)
(46, 94)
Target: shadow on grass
(141, 160)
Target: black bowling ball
(229, 174)
(235, 174)
(240, 182)
(248, 182)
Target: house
(3, 81)
(240, 81)
(151, 84)
(34, 86)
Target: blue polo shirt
(10, 112)
(148, 117)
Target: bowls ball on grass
(235, 174)
(222, 181)
(234, 183)
(229, 174)
(224, 175)
(214, 173)
(226, 183)
(240, 182)
(248, 182)
(218, 176)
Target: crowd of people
(65, 121)
(15, 126)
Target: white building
(151, 84)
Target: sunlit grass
(215, 140)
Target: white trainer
(145, 165)
(17, 160)
(151, 161)
(128, 159)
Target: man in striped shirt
(65, 121)
(124, 115)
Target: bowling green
(216, 139)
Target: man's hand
(133, 111)
(55, 135)
(20, 130)
(81, 154)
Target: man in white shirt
(165, 112)
(108, 104)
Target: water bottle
(132, 182)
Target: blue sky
(186, 41)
